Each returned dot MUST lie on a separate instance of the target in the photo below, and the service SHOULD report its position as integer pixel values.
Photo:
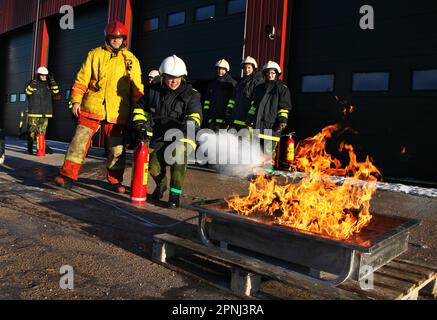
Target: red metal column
(121, 10)
(284, 37)
(43, 44)
(260, 15)
(128, 20)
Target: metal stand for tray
(339, 259)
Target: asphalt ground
(43, 228)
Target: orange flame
(315, 203)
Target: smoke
(230, 152)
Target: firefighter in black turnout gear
(270, 109)
(40, 93)
(220, 91)
(173, 106)
(238, 106)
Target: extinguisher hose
(143, 221)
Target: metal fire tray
(385, 238)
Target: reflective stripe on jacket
(167, 109)
(271, 105)
(107, 84)
(218, 94)
(40, 99)
(242, 98)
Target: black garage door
(68, 50)
(16, 65)
(395, 123)
(199, 41)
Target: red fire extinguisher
(140, 175)
(40, 145)
(290, 149)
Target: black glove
(52, 80)
(281, 127)
(141, 128)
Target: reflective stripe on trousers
(81, 142)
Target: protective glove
(51, 78)
(281, 127)
(141, 128)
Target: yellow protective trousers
(85, 130)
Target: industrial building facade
(381, 82)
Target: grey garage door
(16, 65)
(373, 70)
(68, 50)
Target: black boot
(49, 150)
(64, 182)
(158, 194)
(174, 201)
(30, 146)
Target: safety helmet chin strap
(123, 45)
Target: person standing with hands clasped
(220, 91)
(269, 111)
(40, 93)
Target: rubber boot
(158, 194)
(64, 182)
(30, 146)
(174, 201)
(119, 188)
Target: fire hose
(143, 221)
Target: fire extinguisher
(290, 149)
(40, 145)
(140, 175)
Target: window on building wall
(371, 81)
(176, 19)
(22, 97)
(235, 6)
(205, 13)
(318, 83)
(151, 24)
(13, 98)
(424, 79)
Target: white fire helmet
(154, 73)
(173, 66)
(223, 64)
(250, 60)
(43, 71)
(272, 65)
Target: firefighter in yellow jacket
(108, 82)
